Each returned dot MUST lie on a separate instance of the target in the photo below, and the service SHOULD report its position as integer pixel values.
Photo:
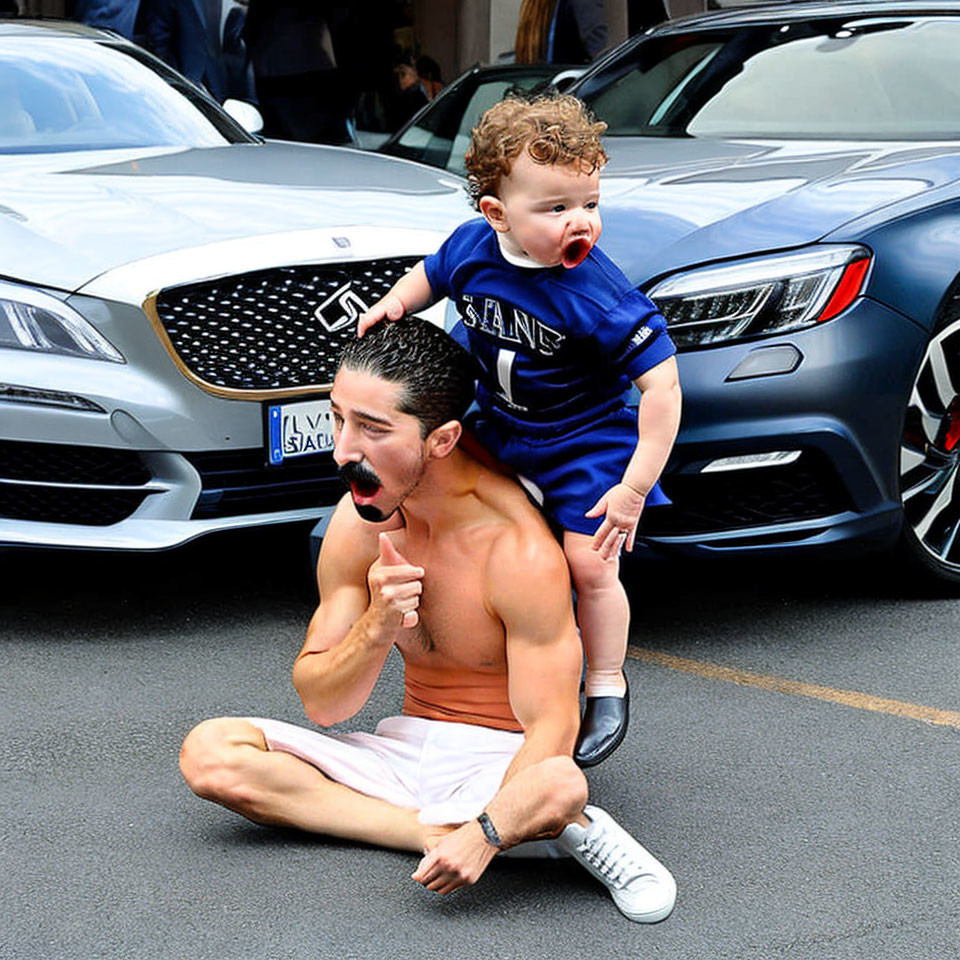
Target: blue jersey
(556, 347)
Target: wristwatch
(490, 831)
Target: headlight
(31, 320)
(756, 297)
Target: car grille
(276, 329)
(22, 465)
(239, 482)
(62, 463)
(97, 508)
(713, 502)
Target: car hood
(669, 204)
(67, 218)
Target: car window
(481, 101)
(441, 134)
(62, 93)
(638, 100)
(877, 78)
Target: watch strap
(489, 831)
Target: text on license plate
(298, 429)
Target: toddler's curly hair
(552, 129)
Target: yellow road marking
(849, 698)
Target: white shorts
(448, 772)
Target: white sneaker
(642, 887)
(536, 850)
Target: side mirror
(246, 114)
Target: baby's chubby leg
(603, 615)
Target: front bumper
(841, 408)
(196, 462)
(142, 456)
(154, 462)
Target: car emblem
(340, 310)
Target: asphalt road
(798, 827)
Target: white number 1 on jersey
(505, 360)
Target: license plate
(298, 429)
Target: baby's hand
(622, 506)
(389, 307)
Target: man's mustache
(360, 474)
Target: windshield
(864, 79)
(63, 93)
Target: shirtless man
(444, 558)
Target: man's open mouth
(364, 491)
(575, 252)
(363, 482)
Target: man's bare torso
(455, 659)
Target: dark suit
(578, 31)
(302, 92)
(117, 15)
(182, 33)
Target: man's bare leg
(226, 760)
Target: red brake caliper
(953, 431)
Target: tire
(930, 459)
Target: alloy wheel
(930, 458)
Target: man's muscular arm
(530, 592)
(368, 594)
(531, 595)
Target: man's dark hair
(436, 373)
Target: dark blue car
(785, 183)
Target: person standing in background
(120, 16)
(236, 61)
(576, 31)
(186, 34)
(561, 31)
(407, 94)
(299, 87)
(428, 72)
(533, 24)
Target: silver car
(173, 296)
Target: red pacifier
(575, 252)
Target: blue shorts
(569, 471)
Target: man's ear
(494, 212)
(443, 439)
